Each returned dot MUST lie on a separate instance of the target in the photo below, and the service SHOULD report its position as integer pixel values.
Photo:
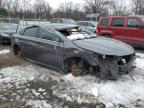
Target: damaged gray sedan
(68, 48)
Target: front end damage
(113, 66)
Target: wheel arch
(16, 48)
(89, 60)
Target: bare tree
(1, 2)
(119, 7)
(65, 9)
(15, 7)
(42, 9)
(138, 7)
(97, 6)
(69, 10)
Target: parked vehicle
(129, 29)
(70, 49)
(89, 25)
(63, 21)
(6, 30)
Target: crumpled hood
(105, 46)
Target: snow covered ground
(127, 91)
(5, 51)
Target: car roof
(57, 26)
(123, 16)
(86, 21)
(8, 23)
(61, 18)
(93, 22)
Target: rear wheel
(17, 51)
(19, 54)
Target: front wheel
(78, 69)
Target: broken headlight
(106, 57)
(125, 59)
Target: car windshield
(77, 33)
(69, 21)
(8, 26)
(94, 23)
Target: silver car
(89, 25)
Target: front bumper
(112, 69)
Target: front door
(30, 46)
(117, 28)
(134, 33)
(52, 46)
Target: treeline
(40, 9)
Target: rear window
(32, 32)
(132, 22)
(104, 22)
(82, 23)
(8, 26)
(117, 22)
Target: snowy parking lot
(27, 85)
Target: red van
(129, 29)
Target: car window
(49, 34)
(53, 21)
(104, 22)
(83, 23)
(32, 32)
(90, 25)
(59, 21)
(117, 22)
(69, 21)
(8, 26)
(79, 23)
(133, 23)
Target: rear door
(133, 33)
(52, 46)
(91, 27)
(30, 46)
(118, 27)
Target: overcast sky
(55, 3)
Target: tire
(77, 69)
(17, 52)
(105, 75)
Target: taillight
(96, 30)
